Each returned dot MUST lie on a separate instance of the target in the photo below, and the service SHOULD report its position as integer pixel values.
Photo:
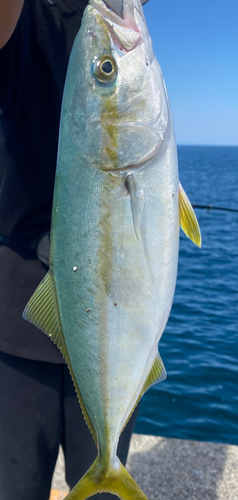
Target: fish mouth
(118, 5)
(121, 23)
(115, 6)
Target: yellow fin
(157, 374)
(112, 479)
(188, 220)
(43, 311)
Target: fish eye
(105, 69)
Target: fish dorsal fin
(43, 311)
(188, 220)
(157, 374)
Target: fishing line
(211, 207)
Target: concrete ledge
(175, 469)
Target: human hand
(10, 11)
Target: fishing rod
(211, 207)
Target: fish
(117, 211)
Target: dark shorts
(39, 411)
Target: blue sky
(196, 44)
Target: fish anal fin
(188, 220)
(43, 311)
(157, 374)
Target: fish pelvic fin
(43, 311)
(188, 220)
(113, 479)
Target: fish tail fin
(113, 479)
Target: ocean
(199, 398)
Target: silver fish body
(115, 306)
(115, 230)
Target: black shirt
(33, 67)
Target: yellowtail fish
(115, 231)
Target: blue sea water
(199, 398)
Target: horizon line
(209, 145)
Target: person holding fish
(39, 406)
(114, 240)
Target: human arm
(10, 11)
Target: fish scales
(115, 231)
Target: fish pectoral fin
(112, 479)
(157, 374)
(137, 201)
(187, 219)
(43, 311)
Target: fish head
(122, 102)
